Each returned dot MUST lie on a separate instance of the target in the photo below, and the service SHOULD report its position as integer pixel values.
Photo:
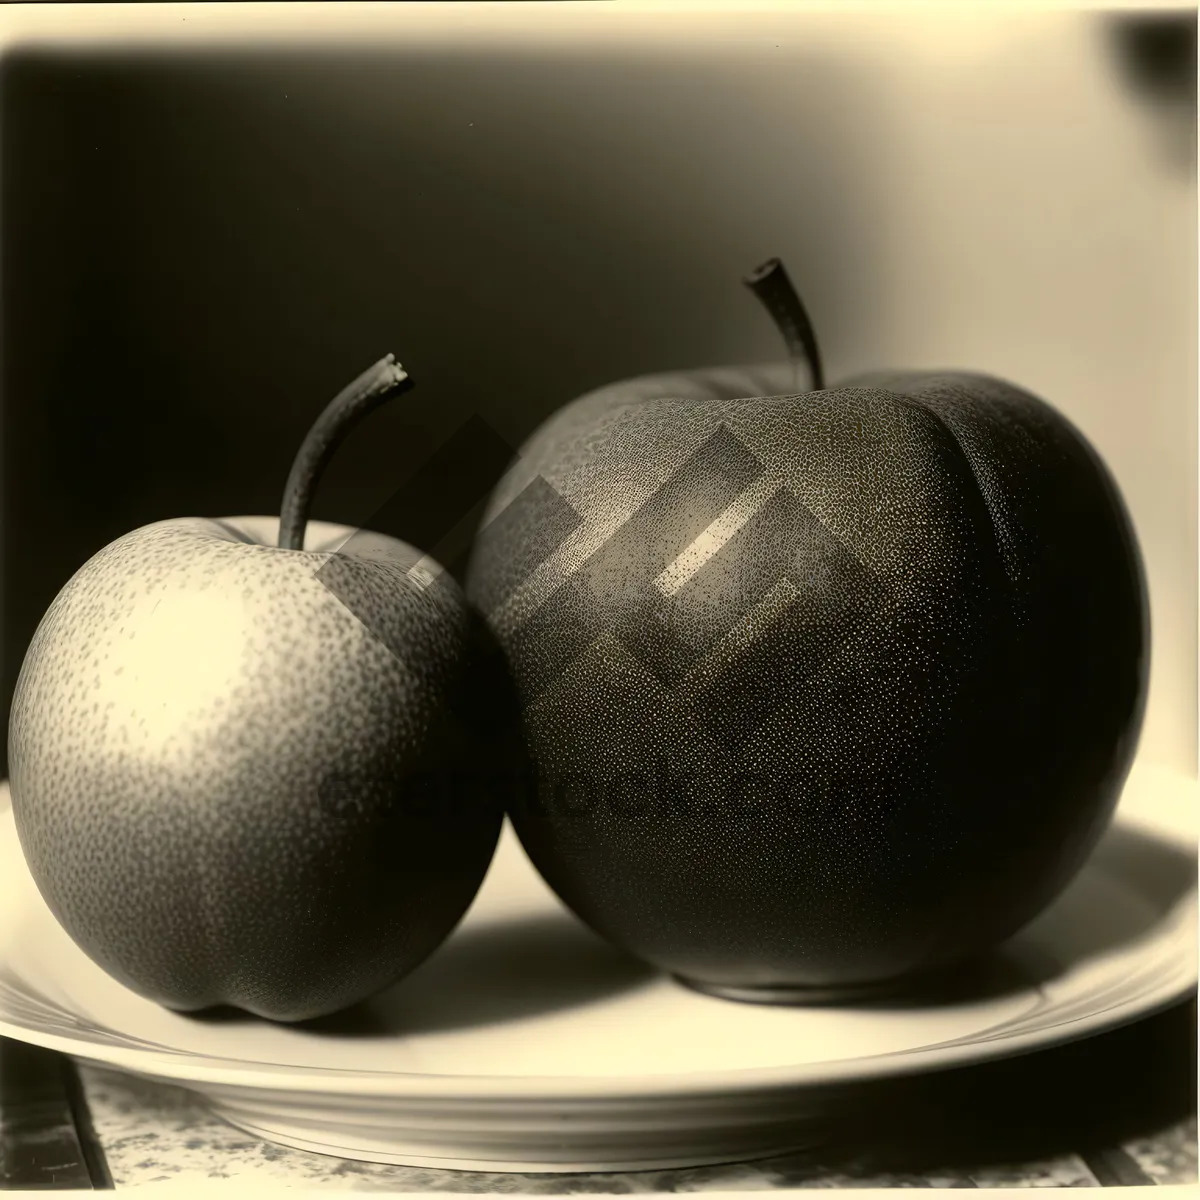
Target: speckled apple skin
(214, 765)
(883, 764)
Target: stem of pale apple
(387, 378)
(770, 283)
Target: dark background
(199, 248)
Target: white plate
(527, 1044)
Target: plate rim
(217, 1074)
(184, 1066)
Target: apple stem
(770, 283)
(387, 378)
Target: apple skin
(886, 766)
(227, 788)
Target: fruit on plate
(233, 746)
(826, 688)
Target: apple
(232, 746)
(827, 689)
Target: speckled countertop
(1113, 1110)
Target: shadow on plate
(503, 971)
(506, 971)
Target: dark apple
(826, 688)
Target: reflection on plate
(527, 1044)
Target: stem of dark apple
(387, 378)
(770, 283)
